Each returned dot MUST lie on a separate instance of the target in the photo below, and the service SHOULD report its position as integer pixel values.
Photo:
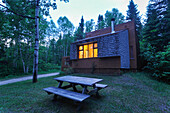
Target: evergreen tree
(155, 46)
(79, 33)
(156, 30)
(133, 14)
(82, 25)
(150, 29)
(100, 22)
(163, 12)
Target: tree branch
(24, 16)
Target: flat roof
(98, 36)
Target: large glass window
(95, 50)
(88, 50)
(80, 52)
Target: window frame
(88, 50)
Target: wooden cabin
(105, 51)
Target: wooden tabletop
(79, 80)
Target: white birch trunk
(36, 48)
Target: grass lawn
(131, 92)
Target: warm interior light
(95, 52)
(90, 50)
(86, 52)
(80, 47)
(80, 54)
(95, 45)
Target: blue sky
(90, 9)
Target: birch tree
(38, 5)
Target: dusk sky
(90, 9)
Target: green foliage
(156, 30)
(89, 25)
(158, 62)
(79, 33)
(65, 25)
(4, 67)
(155, 49)
(100, 22)
(69, 70)
(62, 73)
(133, 14)
(43, 66)
(119, 17)
(17, 37)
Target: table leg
(60, 84)
(95, 88)
(74, 87)
(55, 97)
(84, 90)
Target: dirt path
(25, 78)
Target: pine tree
(156, 30)
(79, 33)
(150, 30)
(164, 12)
(100, 22)
(133, 14)
(82, 25)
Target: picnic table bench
(66, 93)
(73, 81)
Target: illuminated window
(95, 45)
(88, 50)
(80, 52)
(95, 50)
(80, 47)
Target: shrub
(69, 70)
(158, 62)
(43, 66)
(62, 73)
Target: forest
(17, 36)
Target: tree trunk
(27, 69)
(23, 63)
(35, 71)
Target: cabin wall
(133, 40)
(112, 45)
(107, 65)
(116, 51)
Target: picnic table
(73, 81)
